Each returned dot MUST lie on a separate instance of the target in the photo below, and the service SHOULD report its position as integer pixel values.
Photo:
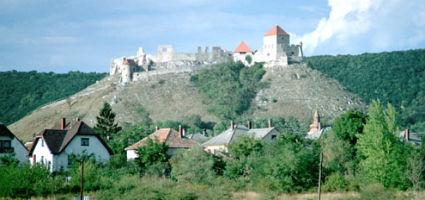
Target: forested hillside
(396, 77)
(22, 92)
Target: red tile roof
(276, 30)
(172, 139)
(242, 48)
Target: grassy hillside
(175, 96)
(22, 92)
(396, 77)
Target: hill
(298, 90)
(22, 92)
(397, 77)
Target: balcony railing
(7, 150)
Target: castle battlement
(276, 51)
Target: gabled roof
(58, 139)
(199, 137)
(230, 135)
(4, 131)
(242, 48)
(170, 137)
(276, 30)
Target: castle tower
(141, 57)
(126, 71)
(315, 126)
(241, 53)
(275, 44)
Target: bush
(335, 182)
(194, 166)
(25, 181)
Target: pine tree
(106, 126)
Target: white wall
(42, 154)
(132, 154)
(20, 152)
(95, 147)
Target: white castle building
(276, 51)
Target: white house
(54, 147)
(220, 143)
(11, 145)
(173, 139)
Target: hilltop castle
(276, 51)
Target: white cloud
(367, 25)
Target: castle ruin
(276, 51)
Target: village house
(55, 148)
(220, 143)
(10, 145)
(173, 139)
(410, 137)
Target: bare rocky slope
(295, 90)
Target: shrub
(335, 182)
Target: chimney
(63, 123)
(180, 130)
(183, 132)
(77, 119)
(406, 134)
(232, 125)
(156, 128)
(249, 124)
(269, 123)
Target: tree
(106, 126)
(348, 125)
(381, 156)
(194, 166)
(153, 158)
(244, 146)
(339, 145)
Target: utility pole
(319, 189)
(82, 180)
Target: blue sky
(59, 36)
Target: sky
(84, 35)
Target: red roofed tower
(242, 48)
(275, 44)
(243, 54)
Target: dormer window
(85, 142)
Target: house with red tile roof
(175, 140)
(10, 145)
(54, 148)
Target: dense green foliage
(229, 88)
(153, 158)
(382, 155)
(396, 77)
(106, 126)
(362, 153)
(22, 92)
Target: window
(273, 137)
(42, 142)
(42, 159)
(85, 142)
(6, 146)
